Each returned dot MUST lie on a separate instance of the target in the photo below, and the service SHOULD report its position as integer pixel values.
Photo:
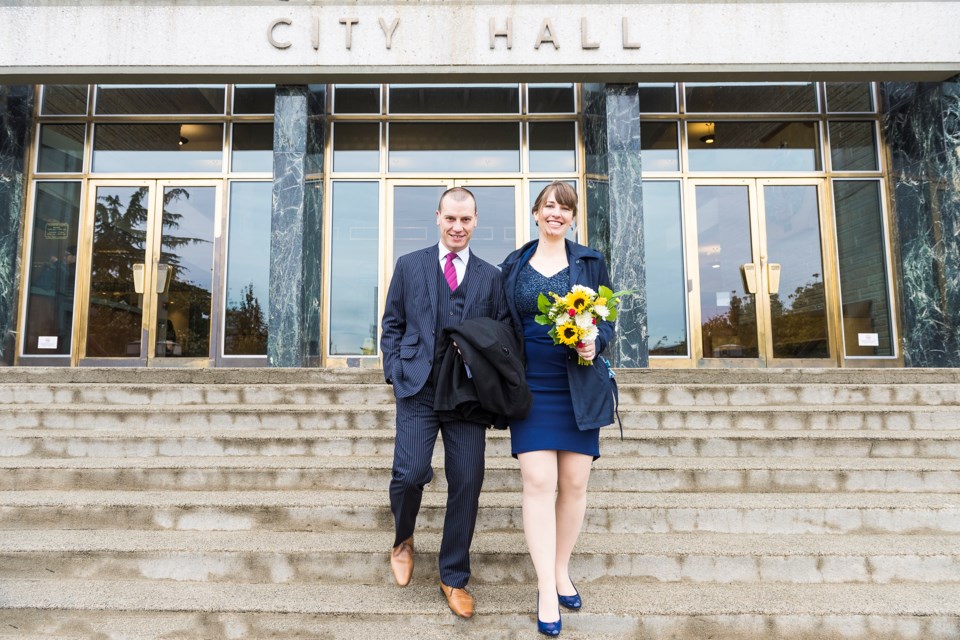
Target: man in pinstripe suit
(434, 288)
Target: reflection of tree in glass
(800, 325)
(734, 333)
(246, 326)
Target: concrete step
(143, 442)
(496, 558)
(619, 609)
(625, 473)
(240, 376)
(65, 396)
(273, 417)
(730, 394)
(607, 512)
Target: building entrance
(763, 295)
(148, 274)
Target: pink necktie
(449, 272)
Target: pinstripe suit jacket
(408, 335)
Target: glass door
(148, 265)
(762, 296)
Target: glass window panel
(248, 269)
(356, 146)
(536, 186)
(253, 99)
(853, 146)
(496, 232)
(252, 148)
(149, 148)
(751, 97)
(658, 97)
(454, 99)
(447, 146)
(849, 97)
(61, 148)
(663, 257)
(185, 272)
(659, 146)
(115, 310)
(550, 98)
(553, 147)
(753, 146)
(728, 314)
(798, 310)
(348, 99)
(160, 100)
(354, 265)
(64, 99)
(864, 285)
(53, 268)
(414, 217)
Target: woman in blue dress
(559, 440)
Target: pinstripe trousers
(464, 444)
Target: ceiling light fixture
(183, 141)
(710, 136)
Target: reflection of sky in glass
(486, 161)
(248, 258)
(723, 244)
(553, 147)
(355, 233)
(195, 223)
(157, 161)
(495, 235)
(793, 237)
(663, 251)
(415, 218)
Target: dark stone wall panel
(922, 128)
(16, 109)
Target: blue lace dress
(551, 424)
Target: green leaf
(542, 319)
(605, 292)
(612, 316)
(543, 304)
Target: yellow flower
(569, 334)
(577, 300)
(601, 302)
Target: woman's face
(553, 219)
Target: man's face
(456, 220)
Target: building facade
(229, 184)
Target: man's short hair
(458, 194)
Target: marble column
(296, 225)
(611, 134)
(16, 109)
(922, 130)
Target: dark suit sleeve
(605, 329)
(501, 311)
(394, 321)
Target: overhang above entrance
(303, 41)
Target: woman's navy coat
(591, 387)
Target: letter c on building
(273, 26)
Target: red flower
(593, 320)
(571, 312)
(579, 345)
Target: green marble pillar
(922, 127)
(16, 110)
(296, 225)
(615, 207)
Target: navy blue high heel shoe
(571, 602)
(548, 628)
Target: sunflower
(577, 300)
(568, 334)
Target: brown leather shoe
(401, 561)
(461, 602)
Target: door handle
(138, 277)
(749, 273)
(163, 277)
(773, 277)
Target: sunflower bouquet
(573, 317)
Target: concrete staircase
(739, 505)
